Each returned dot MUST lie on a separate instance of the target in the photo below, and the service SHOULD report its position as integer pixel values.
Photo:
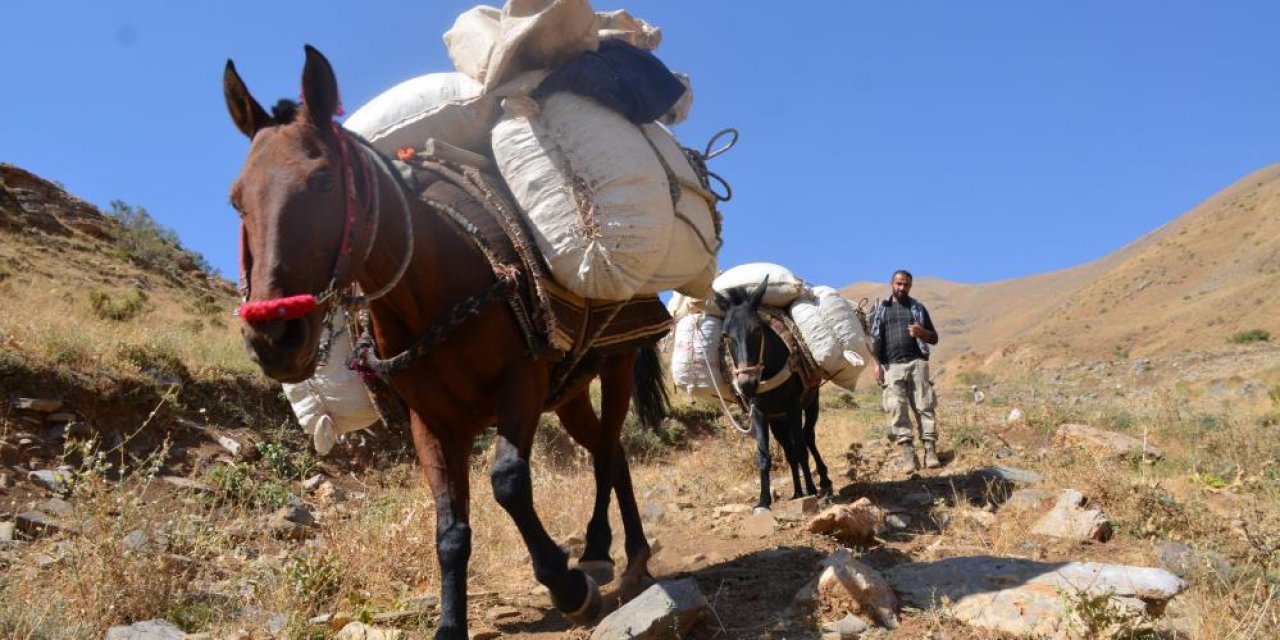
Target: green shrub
(1252, 335)
(154, 358)
(121, 309)
(150, 243)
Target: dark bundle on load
(622, 77)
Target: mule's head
(744, 335)
(292, 199)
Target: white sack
(444, 106)
(592, 188)
(694, 238)
(829, 325)
(334, 401)
(695, 356)
(784, 287)
(492, 46)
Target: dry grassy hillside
(1187, 287)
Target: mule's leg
(444, 462)
(797, 454)
(579, 420)
(519, 406)
(811, 440)
(763, 461)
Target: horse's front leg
(825, 487)
(519, 406)
(444, 462)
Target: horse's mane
(285, 111)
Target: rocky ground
(1030, 529)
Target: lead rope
(724, 406)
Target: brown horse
(316, 219)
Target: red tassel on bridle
(278, 308)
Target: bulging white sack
(334, 401)
(592, 188)
(444, 106)
(695, 356)
(695, 238)
(784, 287)
(829, 325)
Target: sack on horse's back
(831, 329)
(592, 188)
(620, 76)
(334, 400)
(445, 106)
(690, 264)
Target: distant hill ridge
(1187, 286)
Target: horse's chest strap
(366, 362)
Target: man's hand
(918, 331)
(879, 374)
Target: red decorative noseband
(278, 308)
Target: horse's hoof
(759, 510)
(602, 571)
(591, 607)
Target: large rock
(1105, 444)
(846, 586)
(850, 523)
(1071, 519)
(665, 610)
(147, 630)
(1029, 598)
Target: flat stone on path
(847, 586)
(669, 609)
(361, 631)
(1008, 474)
(147, 630)
(1071, 519)
(1025, 597)
(54, 480)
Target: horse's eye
(236, 207)
(321, 181)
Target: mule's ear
(319, 88)
(248, 115)
(758, 295)
(721, 301)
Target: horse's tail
(649, 390)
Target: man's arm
(926, 331)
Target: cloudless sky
(974, 141)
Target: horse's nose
(277, 347)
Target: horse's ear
(319, 88)
(248, 115)
(758, 295)
(721, 301)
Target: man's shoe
(931, 460)
(907, 463)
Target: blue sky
(974, 141)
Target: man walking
(901, 335)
